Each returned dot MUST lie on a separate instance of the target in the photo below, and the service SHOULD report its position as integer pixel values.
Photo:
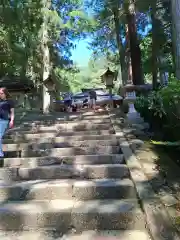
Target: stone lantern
(48, 93)
(108, 78)
(130, 97)
(50, 85)
(130, 94)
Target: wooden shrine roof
(15, 83)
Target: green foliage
(21, 37)
(161, 109)
(145, 46)
(110, 31)
(67, 21)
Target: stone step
(56, 144)
(69, 189)
(9, 192)
(46, 122)
(106, 235)
(36, 151)
(19, 114)
(63, 116)
(66, 171)
(45, 136)
(61, 215)
(85, 235)
(83, 190)
(67, 116)
(75, 160)
(70, 139)
(56, 133)
(90, 112)
(64, 120)
(34, 110)
(63, 127)
(53, 120)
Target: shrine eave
(107, 72)
(16, 83)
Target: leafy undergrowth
(167, 152)
(161, 109)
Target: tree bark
(46, 57)
(119, 44)
(175, 7)
(134, 45)
(128, 58)
(154, 47)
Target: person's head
(4, 94)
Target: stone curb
(166, 196)
(158, 220)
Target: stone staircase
(65, 177)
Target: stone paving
(76, 177)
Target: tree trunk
(128, 57)
(175, 5)
(46, 58)
(134, 45)
(46, 73)
(119, 44)
(154, 47)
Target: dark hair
(6, 92)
